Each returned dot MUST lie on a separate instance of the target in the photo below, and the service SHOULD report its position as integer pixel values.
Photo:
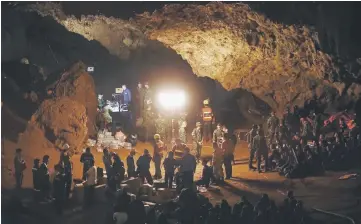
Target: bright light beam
(172, 100)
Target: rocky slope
(280, 64)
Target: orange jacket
(207, 114)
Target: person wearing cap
(159, 149)
(218, 135)
(131, 164)
(197, 140)
(250, 135)
(44, 177)
(143, 166)
(20, 166)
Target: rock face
(62, 120)
(280, 64)
(79, 86)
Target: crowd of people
(297, 147)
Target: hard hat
(206, 101)
(156, 136)
(198, 124)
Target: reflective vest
(207, 114)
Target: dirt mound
(79, 86)
(62, 120)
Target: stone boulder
(62, 120)
(79, 86)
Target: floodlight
(172, 99)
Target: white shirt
(91, 176)
(120, 217)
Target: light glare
(172, 100)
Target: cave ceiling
(226, 42)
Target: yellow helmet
(156, 136)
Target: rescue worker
(197, 139)
(143, 166)
(59, 189)
(44, 178)
(218, 135)
(250, 135)
(306, 131)
(217, 162)
(20, 166)
(187, 169)
(131, 164)
(169, 167)
(159, 149)
(207, 116)
(228, 151)
(101, 101)
(86, 158)
(68, 172)
(260, 146)
(160, 126)
(178, 149)
(127, 95)
(140, 100)
(182, 124)
(272, 125)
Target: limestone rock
(79, 86)
(62, 120)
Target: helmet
(198, 124)
(206, 101)
(156, 136)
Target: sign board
(118, 90)
(90, 69)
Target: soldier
(160, 126)
(218, 135)
(207, 116)
(182, 124)
(250, 136)
(197, 140)
(260, 146)
(272, 124)
(159, 149)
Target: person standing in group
(143, 166)
(107, 160)
(187, 169)
(86, 159)
(118, 170)
(91, 178)
(20, 166)
(169, 167)
(207, 116)
(228, 150)
(127, 95)
(140, 100)
(44, 177)
(59, 189)
(148, 97)
(252, 150)
(131, 164)
(178, 149)
(260, 146)
(217, 162)
(272, 125)
(197, 140)
(159, 148)
(182, 124)
(160, 126)
(67, 165)
(36, 178)
(218, 135)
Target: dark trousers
(198, 151)
(68, 182)
(228, 165)
(85, 169)
(19, 179)
(59, 204)
(259, 158)
(131, 173)
(251, 157)
(187, 178)
(207, 130)
(88, 195)
(168, 178)
(157, 163)
(145, 175)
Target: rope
(335, 214)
